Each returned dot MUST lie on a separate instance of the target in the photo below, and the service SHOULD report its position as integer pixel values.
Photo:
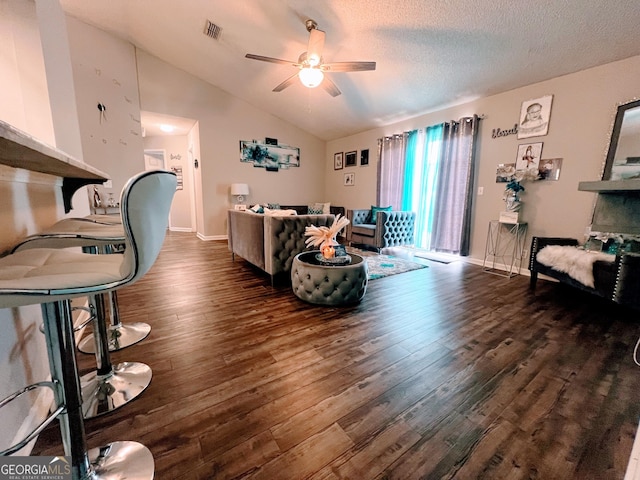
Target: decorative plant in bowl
(325, 237)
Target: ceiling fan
(311, 69)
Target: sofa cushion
(364, 229)
(375, 210)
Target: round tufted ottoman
(323, 284)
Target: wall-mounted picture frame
(337, 161)
(528, 156)
(271, 157)
(364, 157)
(534, 117)
(349, 179)
(351, 159)
(549, 168)
(505, 172)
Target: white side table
(504, 250)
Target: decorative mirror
(623, 158)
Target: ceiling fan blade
(316, 45)
(271, 60)
(330, 87)
(348, 66)
(286, 83)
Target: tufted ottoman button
(334, 284)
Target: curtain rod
(482, 116)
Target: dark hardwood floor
(444, 372)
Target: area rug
(380, 266)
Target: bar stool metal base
(104, 393)
(130, 460)
(120, 336)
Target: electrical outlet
(480, 191)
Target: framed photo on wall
(364, 157)
(534, 117)
(349, 179)
(529, 155)
(350, 159)
(549, 168)
(337, 161)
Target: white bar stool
(52, 277)
(93, 237)
(110, 386)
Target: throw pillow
(315, 210)
(257, 208)
(326, 207)
(375, 210)
(273, 206)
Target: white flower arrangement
(517, 177)
(325, 236)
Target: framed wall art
(549, 168)
(271, 157)
(364, 157)
(534, 117)
(349, 179)
(350, 159)
(337, 161)
(529, 155)
(505, 172)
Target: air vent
(212, 30)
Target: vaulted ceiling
(429, 54)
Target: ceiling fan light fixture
(313, 60)
(311, 77)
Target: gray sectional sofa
(271, 242)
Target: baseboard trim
(212, 237)
(180, 229)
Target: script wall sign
(497, 132)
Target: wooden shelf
(610, 186)
(20, 150)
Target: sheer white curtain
(421, 180)
(391, 163)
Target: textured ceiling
(429, 54)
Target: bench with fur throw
(615, 277)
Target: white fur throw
(278, 212)
(575, 262)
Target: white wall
(104, 71)
(176, 148)
(24, 97)
(224, 120)
(584, 106)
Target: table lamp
(239, 190)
